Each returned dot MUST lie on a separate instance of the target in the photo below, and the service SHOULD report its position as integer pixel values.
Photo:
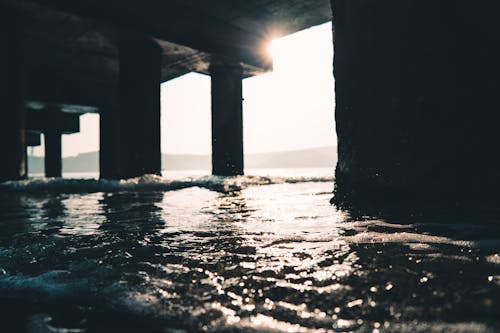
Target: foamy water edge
(150, 183)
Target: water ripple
(276, 258)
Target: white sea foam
(150, 183)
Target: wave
(150, 183)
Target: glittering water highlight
(238, 258)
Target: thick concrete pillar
(32, 140)
(12, 129)
(109, 156)
(53, 157)
(139, 114)
(417, 107)
(227, 118)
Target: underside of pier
(110, 58)
(416, 84)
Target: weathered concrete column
(417, 107)
(227, 118)
(109, 155)
(32, 140)
(53, 157)
(139, 113)
(12, 129)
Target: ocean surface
(260, 253)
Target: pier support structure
(134, 129)
(12, 128)
(53, 123)
(227, 118)
(53, 157)
(416, 100)
(109, 141)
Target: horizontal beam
(33, 139)
(68, 108)
(45, 121)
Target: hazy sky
(290, 108)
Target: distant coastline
(303, 158)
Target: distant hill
(85, 162)
(304, 158)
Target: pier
(416, 84)
(97, 57)
(403, 237)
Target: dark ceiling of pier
(74, 42)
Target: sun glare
(272, 49)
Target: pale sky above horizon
(290, 108)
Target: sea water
(258, 253)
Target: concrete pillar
(53, 157)
(12, 129)
(139, 114)
(417, 107)
(109, 157)
(32, 140)
(227, 118)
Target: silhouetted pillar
(227, 118)
(417, 106)
(109, 157)
(12, 129)
(32, 140)
(139, 113)
(53, 158)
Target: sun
(272, 48)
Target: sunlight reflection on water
(274, 258)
